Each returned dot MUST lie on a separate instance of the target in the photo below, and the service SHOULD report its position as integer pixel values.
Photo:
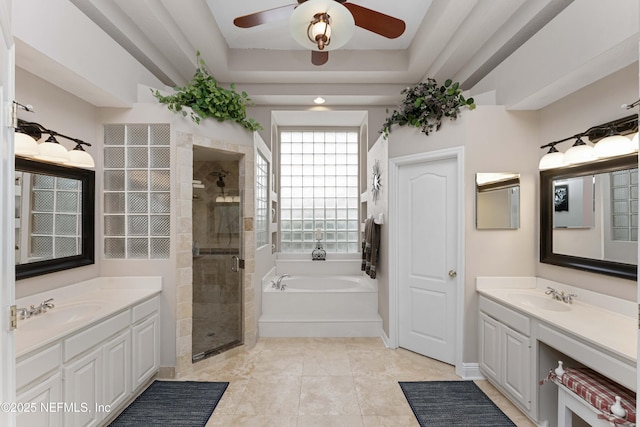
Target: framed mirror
(589, 216)
(497, 201)
(54, 217)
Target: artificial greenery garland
(426, 104)
(206, 99)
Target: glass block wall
(262, 200)
(56, 226)
(624, 205)
(137, 191)
(319, 189)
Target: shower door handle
(237, 263)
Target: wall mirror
(54, 218)
(589, 216)
(497, 201)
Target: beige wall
(494, 140)
(58, 110)
(593, 105)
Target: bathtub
(320, 306)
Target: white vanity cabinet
(505, 351)
(87, 375)
(83, 390)
(146, 341)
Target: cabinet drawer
(83, 341)
(146, 308)
(511, 318)
(33, 367)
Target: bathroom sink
(539, 301)
(60, 315)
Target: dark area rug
(452, 403)
(173, 403)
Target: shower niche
(216, 250)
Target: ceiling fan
(324, 25)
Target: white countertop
(81, 305)
(607, 325)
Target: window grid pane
(56, 226)
(137, 172)
(624, 205)
(319, 189)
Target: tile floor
(326, 382)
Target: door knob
(452, 273)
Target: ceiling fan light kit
(322, 25)
(319, 30)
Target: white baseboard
(470, 371)
(385, 339)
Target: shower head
(221, 174)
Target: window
(624, 205)
(137, 191)
(262, 200)
(319, 189)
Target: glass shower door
(217, 278)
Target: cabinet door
(516, 365)
(43, 402)
(116, 371)
(146, 350)
(490, 347)
(83, 390)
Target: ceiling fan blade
(319, 58)
(379, 23)
(259, 18)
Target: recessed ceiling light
(319, 100)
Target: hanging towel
(366, 242)
(370, 247)
(372, 260)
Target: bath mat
(452, 403)
(173, 403)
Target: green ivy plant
(426, 104)
(207, 99)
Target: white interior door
(7, 232)
(427, 257)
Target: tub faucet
(278, 282)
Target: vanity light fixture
(80, 158)
(553, 159)
(612, 145)
(634, 142)
(609, 141)
(24, 145)
(51, 150)
(579, 152)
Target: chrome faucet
(278, 282)
(554, 294)
(33, 310)
(560, 296)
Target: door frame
(7, 167)
(395, 164)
